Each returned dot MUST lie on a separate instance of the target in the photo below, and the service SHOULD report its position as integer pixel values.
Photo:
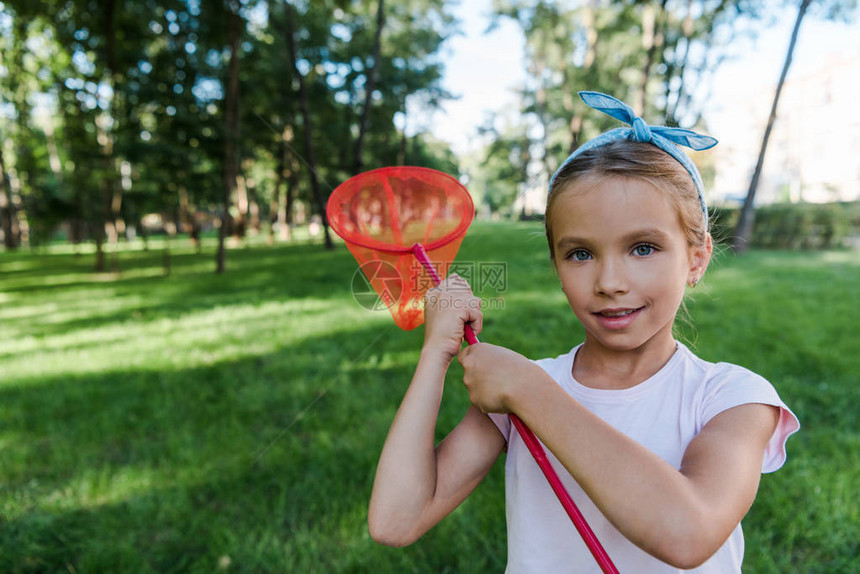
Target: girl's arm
(417, 484)
(681, 517)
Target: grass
(199, 423)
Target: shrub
(793, 226)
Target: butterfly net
(381, 214)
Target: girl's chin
(625, 340)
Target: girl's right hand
(448, 308)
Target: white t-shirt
(663, 413)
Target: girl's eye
(643, 250)
(579, 255)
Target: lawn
(188, 422)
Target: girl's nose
(611, 278)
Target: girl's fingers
(476, 318)
(453, 299)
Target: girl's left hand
(492, 374)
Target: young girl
(661, 451)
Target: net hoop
(350, 187)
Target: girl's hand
(450, 305)
(492, 374)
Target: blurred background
(124, 119)
(187, 380)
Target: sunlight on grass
(848, 256)
(27, 311)
(98, 487)
(16, 266)
(207, 337)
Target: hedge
(793, 226)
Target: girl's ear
(699, 259)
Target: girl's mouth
(617, 318)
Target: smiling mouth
(614, 314)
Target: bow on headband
(663, 137)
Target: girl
(661, 451)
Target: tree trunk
(107, 228)
(231, 128)
(672, 108)
(240, 222)
(541, 112)
(111, 197)
(8, 217)
(279, 196)
(253, 207)
(292, 190)
(106, 231)
(526, 159)
(743, 231)
(20, 181)
(53, 153)
(589, 22)
(652, 41)
(282, 204)
(184, 209)
(372, 76)
(403, 144)
(306, 124)
(574, 125)
(402, 147)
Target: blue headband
(664, 138)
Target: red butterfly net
(382, 214)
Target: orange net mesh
(381, 214)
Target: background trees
(657, 55)
(239, 116)
(221, 114)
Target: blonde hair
(636, 160)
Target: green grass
(199, 423)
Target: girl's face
(623, 261)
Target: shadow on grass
(277, 273)
(266, 461)
(251, 266)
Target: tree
(11, 53)
(647, 52)
(145, 108)
(504, 171)
(230, 167)
(743, 230)
(8, 213)
(307, 129)
(833, 9)
(175, 169)
(372, 78)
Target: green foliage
(502, 174)
(650, 54)
(793, 226)
(133, 97)
(804, 226)
(185, 423)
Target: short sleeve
(734, 386)
(503, 423)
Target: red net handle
(538, 453)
